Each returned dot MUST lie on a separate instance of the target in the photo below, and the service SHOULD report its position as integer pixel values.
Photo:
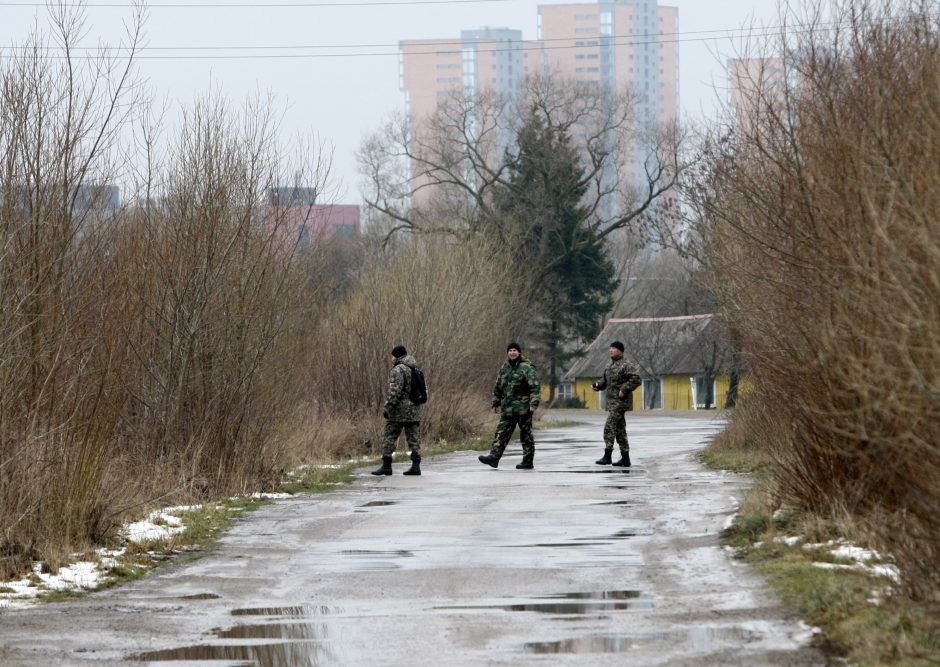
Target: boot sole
(492, 465)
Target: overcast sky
(341, 98)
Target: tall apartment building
(431, 70)
(755, 87)
(623, 45)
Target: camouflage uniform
(400, 413)
(619, 376)
(516, 393)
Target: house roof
(660, 346)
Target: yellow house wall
(677, 393)
(582, 389)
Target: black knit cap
(399, 351)
(618, 345)
(514, 346)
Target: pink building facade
(625, 46)
(303, 224)
(755, 86)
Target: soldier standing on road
(401, 414)
(620, 379)
(515, 396)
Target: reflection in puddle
(400, 553)
(588, 541)
(556, 544)
(301, 644)
(602, 471)
(200, 596)
(696, 639)
(272, 631)
(592, 603)
(301, 654)
(302, 610)
(379, 503)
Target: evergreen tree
(542, 216)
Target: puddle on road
(301, 610)
(379, 503)
(637, 472)
(302, 644)
(695, 639)
(557, 604)
(295, 653)
(587, 541)
(370, 553)
(200, 596)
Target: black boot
(386, 467)
(605, 459)
(415, 468)
(489, 460)
(624, 461)
(526, 462)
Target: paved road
(571, 563)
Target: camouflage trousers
(507, 424)
(615, 428)
(394, 429)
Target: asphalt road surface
(570, 563)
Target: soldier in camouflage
(620, 379)
(515, 396)
(401, 414)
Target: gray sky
(341, 98)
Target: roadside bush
(820, 234)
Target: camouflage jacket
(517, 387)
(398, 405)
(619, 376)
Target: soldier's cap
(514, 346)
(618, 345)
(399, 351)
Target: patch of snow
(789, 540)
(888, 571)
(81, 575)
(729, 521)
(806, 632)
(148, 531)
(269, 496)
(856, 553)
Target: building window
(704, 392)
(653, 394)
(565, 389)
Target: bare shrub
(443, 301)
(59, 401)
(137, 344)
(820, 234)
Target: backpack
(419, 388)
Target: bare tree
(440, 176)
